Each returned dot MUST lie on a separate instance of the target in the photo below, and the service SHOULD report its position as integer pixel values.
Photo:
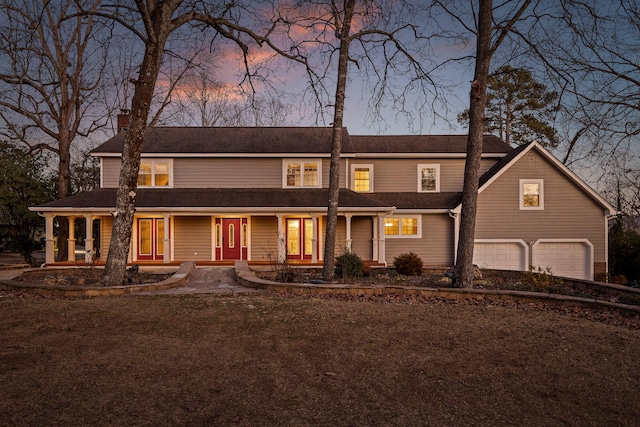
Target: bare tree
(50, 78)
(159, 21)
(373, 35)
(490, 32)
(201, 100)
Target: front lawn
(271, 360)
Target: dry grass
(269, 360)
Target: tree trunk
(116, 266)
(64, 190)
(464, 260)
(336, 142)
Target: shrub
(349, 266)
(539, 279)
(408, 264)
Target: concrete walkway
(216, 280)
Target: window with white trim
(155, 173)
(301, 173)
(403, 226)
(362, 178)
(429, 178)
(531, 194)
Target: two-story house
(257, 194)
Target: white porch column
(381, 241)
(376, 228)
(456, 233)
(130, 255)
(166, 258)
(72, 239)
(88, 239)
(282, 249)
(314, 240)
(348, 239)
(50, 241)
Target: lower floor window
(406, 226)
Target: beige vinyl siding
(192, 238)
(227, 173)
(401, 175)
(110, 172)
(264, 238)
(326, 167)
(435, 247)
(341, 236)
(362, 237)
(569, 213)
(106, 225)
(238, 172)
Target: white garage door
(500, 255)
(567, 259)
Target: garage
(564, 258)
(501, 255)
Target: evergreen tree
(22, 184)
(518, 108)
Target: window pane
(161, 174)
(144, 176)
(391, 227)
(293, 174)
(145, 237)
(245, 232)
(409, 226)
(429, 179)
(361, 179)
(310, 174)
(293, 237)
(218, 235)
(531, 195)
(308, 236)
(232, 235)
(160, 236)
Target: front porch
(262, 239)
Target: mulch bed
(85, 277)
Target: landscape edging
(178, 279)
(246, 277)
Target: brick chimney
(123, 120)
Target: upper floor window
(155, 173)
(531, 194)
(362, 178)
(428, 178)
(402, 226)
(301, 173)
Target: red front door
(150, 239)
(231, 244)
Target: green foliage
(519, 109)
(624, 253)
(540, 279)
(22, 184)
(349, 266)
(408, 264)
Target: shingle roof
(424, 144)
(105, 198)
(272, 140)
(418, 200)
(502, 163)
(232, 140)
